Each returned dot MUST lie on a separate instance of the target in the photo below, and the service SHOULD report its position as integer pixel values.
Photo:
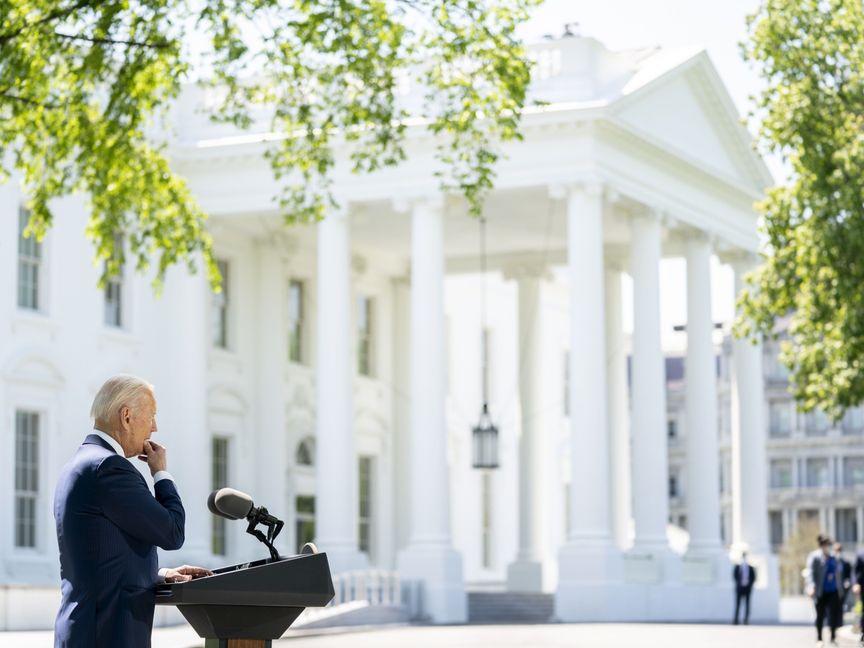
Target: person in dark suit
(858, 586)
(744, 575)
(845, 578)
(109, 524)
(823, 586)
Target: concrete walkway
(539, 636)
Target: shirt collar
(110, 441)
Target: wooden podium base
(238, 643)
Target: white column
(526, 573)
(430, 557)
(648, 427)
(703, 464)
(271, 448)
(336, 461)
(181, 392)
(749, 461)
(618, 409)
(588, 561)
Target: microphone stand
(274, 525)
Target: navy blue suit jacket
(108, 528)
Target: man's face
(138, 423)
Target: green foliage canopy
(85, 86)
(811, 55)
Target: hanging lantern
(485, 437)
(485, 434)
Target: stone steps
(510, 607)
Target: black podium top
(290, 581)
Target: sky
(718, 27)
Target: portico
(602, 185)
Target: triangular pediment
(689, 112)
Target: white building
(319, 380)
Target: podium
(250, 604)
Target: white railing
(364, 589)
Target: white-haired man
(109, 524)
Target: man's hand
(154, 455)
(185, 573)
(856, 588)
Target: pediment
(35, 369)
(689, 112)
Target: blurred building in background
(337, 377)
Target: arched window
(305, 455)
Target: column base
(589, 582)
(439, 569)
(706, 566)
(525, 576)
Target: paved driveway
(541, 636)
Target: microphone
(235, 505)
(230, 503)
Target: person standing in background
(744, 575)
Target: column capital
(527, 270)
(406, 204)
(358, 264)
(689, 234)
(742, 261)
(593, 187)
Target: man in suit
(823, 585)
(744, 575)
(109, 524)
(858, 587)
(845, 579)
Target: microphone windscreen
(231, 503)
(211, 503)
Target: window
(846, 525)
(364, 336)
(26, 477)
(817, 473)
(775, 528)
(674, 483)
(305, 455)
(780, 418)
(775, 370)
(853, 471)
(296, 321)
(781, 473)
(304, 520)
(486, 539)
(816, 423)
(566, 381)
(364, 534)
(808, 518)
(114, 287)
(853, 421)
(220, 480)
(219, 315)
(29, 265)
(672, 429)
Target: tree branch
(4, 94)
(53, 15)
(113, 41)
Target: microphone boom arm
(274, 525)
